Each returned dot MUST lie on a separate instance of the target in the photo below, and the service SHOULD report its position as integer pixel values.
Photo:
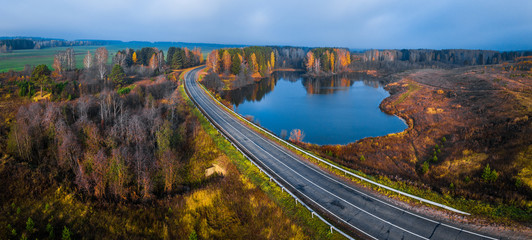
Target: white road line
(362, 193)
(259, 147)
(348, 172)
(321, 206)
(322, 174)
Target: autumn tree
(272, 60)
(57, 65)
(296, 135)
(154, 63)
(254, 66)
(331, 59)
(212, 60)
(310, 61)
(226, 58)
(134, 58)
(198, 56)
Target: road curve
(358, 213)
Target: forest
(119, 148)
(10, 44)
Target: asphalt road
(360, 214)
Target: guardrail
(341, 169)
(254, 162)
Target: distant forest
(242, 65)
(7, 45)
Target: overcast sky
(381, 24)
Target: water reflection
(334, 110)
(323, 85)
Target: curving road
(358, 213)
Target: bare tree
(99, 172)
(120, 59)
(101, 56)
(88, 60)
(64, 61)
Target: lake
(333, 110)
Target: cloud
(345, 23)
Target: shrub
(30, 225)
(362, 158)
(50, 231)
(518, 182)
(193, 235)
(425, 167)
(489, 175)
(125, 90)
(66, 234)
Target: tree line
(248, 60)
(263, 60)
(327, 60)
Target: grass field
(18, 58)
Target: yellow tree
(226, 58)
(331, 57)
(272, 60)
(134, 58)
(310, 61)
(153, 62)
(254, 63)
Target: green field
(18, 58)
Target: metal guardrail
(345, 171)
(239, 148)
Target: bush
(30, 225)
(50, 231)
(425, 167)
(362, 158)
(125, 90)
(66, 234)
(489, 175)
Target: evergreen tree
(235, 68)
(41, 76)
(170, 55)
(324, 61)
(117, 75)
(177, 59)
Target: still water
(335, 110)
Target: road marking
(350, 187)
(322, 207)
(205, 100)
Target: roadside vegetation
(475, 166)
(117, 152)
